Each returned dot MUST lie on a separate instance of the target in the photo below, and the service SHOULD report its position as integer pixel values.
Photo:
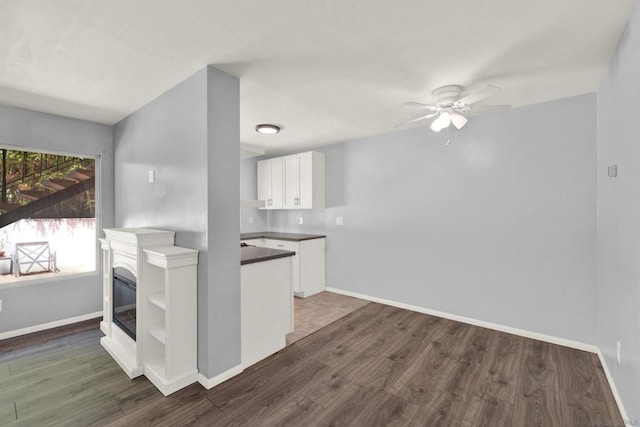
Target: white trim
(49, 325)
(46, 278)
(209, 383)
(495, 326)
(614, 390)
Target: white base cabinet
(266, 307)
(307, 266)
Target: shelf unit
(170, 355)
(164, 348)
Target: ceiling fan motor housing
(446, 96)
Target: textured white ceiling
(326, 70)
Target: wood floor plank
(444, 411)
(614, 413)
(378, 365)
(344, 412)
(255, 398)
(41, 399)
(488, 412)
(138, 393)
(7, 413)
(499, 375)
(4, 370)
(83, 411)
(27, 383)
(79, 353)
(298, 411)
(12, 345)
(34, 351)
(329, 391)
(184, 408)
(537, 400)
(386, 409)
(473, 347)
(580, 394)
(424, 376)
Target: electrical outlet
(152, 176)
(300, 220)
(619, 351)
(250, 220)
(339, 220)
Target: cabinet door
(305, 181)
(270, 183)
(276, 182)
(264, 183)
(291, 182)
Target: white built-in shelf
(158, 333)
(157, 367)
(158, 300)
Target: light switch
(300, 221)
(339, 220)
(250, 220)
(613, 171)
(152, 176)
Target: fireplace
(124, 301)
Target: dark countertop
(251, 254)
(292, 237)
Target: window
(47, 215)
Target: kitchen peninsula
(266, 300)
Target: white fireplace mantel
(165, 348)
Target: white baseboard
(209, 383)
(495, 326)
(614, 390)
(49, 325)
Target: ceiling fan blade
(428, 116)
(417, 119)
(421, 105)
(478, 95)
(476, 110)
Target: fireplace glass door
(124, 301)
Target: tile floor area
(319, 310)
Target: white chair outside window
(33, 258)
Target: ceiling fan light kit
(450, 107)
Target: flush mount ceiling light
(450, 107)
(267, 129)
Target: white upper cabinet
(292, 182)
(270, 182)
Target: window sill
(43, 278)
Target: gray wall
(187, 136)
(223, 152)
(498, 226)
(618, 216)
(248, 191)
(30, 305)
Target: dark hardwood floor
(378, 366)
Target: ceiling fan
(450, 107)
